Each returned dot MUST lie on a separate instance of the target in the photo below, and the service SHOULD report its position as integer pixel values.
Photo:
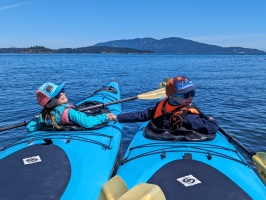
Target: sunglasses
(59, 94)
(187, 95)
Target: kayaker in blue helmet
(176, 111)
(57, 110)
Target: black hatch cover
(189, 179)
(35, 172)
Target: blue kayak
(72, 163)
(190, 167)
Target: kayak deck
(213, 166)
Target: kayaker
(57, 110)
(176, 111)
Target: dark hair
(46, 113)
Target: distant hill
(90, 49)
(175, 45)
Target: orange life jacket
(171, 117)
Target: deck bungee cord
(67, 136)
(201, 149)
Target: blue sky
(79, 23)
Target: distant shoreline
(209, 54)
(172, 45)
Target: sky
(79, 23)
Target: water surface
(233, 87)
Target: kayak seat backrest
(94, 111)
(106, 89)
(116, 189)
(154, 133)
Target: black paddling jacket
(165, 115)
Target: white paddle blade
(155, 94)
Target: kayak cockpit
(154, 133)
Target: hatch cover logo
(188, 180)
(32, 160)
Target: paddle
(13, 126)
(259, 160)
(155, 94)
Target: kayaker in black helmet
(57, 110)
(176, 111)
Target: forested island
(90, 49)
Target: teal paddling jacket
(75, 116)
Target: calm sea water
(233, 87)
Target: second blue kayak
(190, 168)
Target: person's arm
(201, 125)
(85, 121)
(33, 125)
(140, 116)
